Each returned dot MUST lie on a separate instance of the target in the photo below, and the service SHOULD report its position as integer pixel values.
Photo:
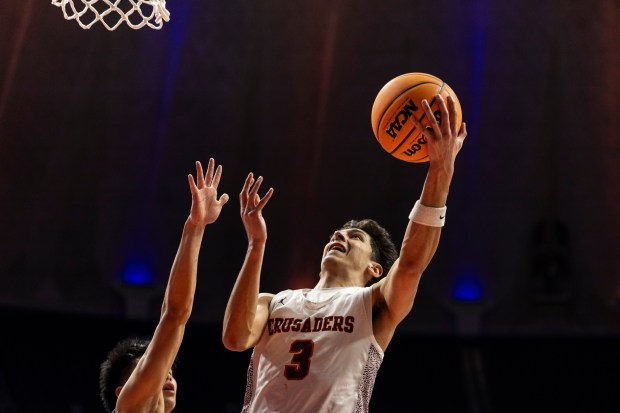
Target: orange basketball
(396, 103)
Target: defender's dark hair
(118, 366)
(383, 249)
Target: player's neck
(330, 279)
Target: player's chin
(329, 258)
(170, 400)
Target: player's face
(350, 246)
(170, 392)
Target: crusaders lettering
(336, 323)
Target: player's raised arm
(246, 312)
(428, 215)
(150, 387)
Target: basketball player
(137, 374)
(319, 349)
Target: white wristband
(433, 217)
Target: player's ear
(118, 390)
(375, 269)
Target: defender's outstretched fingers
(200, 180)
(224, 198)
(265, 199)
(243, 195)
(253, 196)
(208, 178)
(216, 179)
(192, 184)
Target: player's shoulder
(280, 294)
(376, 293)
(265, 298)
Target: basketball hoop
(111, 13)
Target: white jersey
(317, 354)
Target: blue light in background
(180, 13)
(178, 34)
(478, 55)
(137, 273)
(467, 288)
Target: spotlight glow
(137, 273)
(467, 288)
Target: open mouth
(169, 387)
(336, 247)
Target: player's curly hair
(383, 249)
(118, 366)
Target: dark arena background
(519, 311)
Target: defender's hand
(206, 207)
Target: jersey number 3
(300, 363)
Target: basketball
(395, 104)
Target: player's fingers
(216, 178)
(192, 184)
(209, 174)
(265, 199)
(453, 114)
(421, 127)
(243, 195)
(445, 116)
(224, 198)
(431, 118)
(463, 131)
(199, 175)
(461, 136)
(254, 191)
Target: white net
(112, 13)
